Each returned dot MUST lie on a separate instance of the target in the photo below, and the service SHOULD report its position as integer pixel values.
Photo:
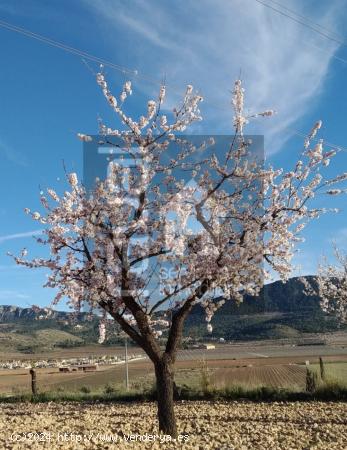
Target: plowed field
(274, 376)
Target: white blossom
(84, 137)
(245, 216)
(102, 332)
(73, 180)
(330, 285)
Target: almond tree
(244, 214)
(330, 285)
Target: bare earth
(205, 425)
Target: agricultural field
(51, 379)
(231, 425)
(249, 364)
(275, 372)
(336, 344)
(334, 370)
(202, 425)
(281, 376)
(87, 350)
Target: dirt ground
(202, 425)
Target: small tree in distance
(244, 214)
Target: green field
(334, 371)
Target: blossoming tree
(330, 284)
(243, 213)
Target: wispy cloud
(283, 64)
(8, 237)
(6, 294)
(13, 155)
(339, 238)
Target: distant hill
(274, 297)
(11, 313)
(29, 330)
(46, 339)
(282, 310)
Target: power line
(310, 44)
(325, 143)
(304, 23)
(123, 69)
(307, 19)
(87, 56)
(316, 27)
(338, 58)
(66, 48)
(333, 36)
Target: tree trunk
(165, 398)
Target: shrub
(109, 389)
(85, 389)
(205, 378)
(311, 381)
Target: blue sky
(48, 95)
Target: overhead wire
(88, 56)
(307, 19)
(306, 22)
(133, 72)
(317, 29)
(65, 47)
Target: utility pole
(126, 364)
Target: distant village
(70, 364)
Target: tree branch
(176, 291)
(179, 318)
(160, 252)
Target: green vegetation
(311, 381)
(110, 389)
(327, 380)
(205, 377)
(85, 390)
(30, 335)
(325, 392)
(333, 372)
(25, 341)
(276, 325)
(281, 310)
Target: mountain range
(281, 310)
